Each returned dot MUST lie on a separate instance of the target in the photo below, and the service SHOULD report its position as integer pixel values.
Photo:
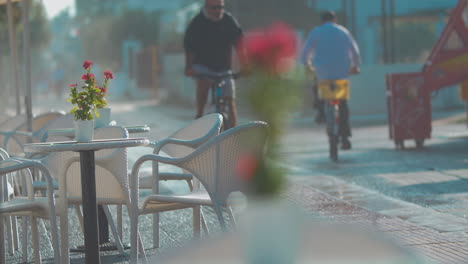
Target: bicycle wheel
(332, 117)
(221, 108)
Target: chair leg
(141, 249)
(117, 240)
(79, 214)
(9, 232)
(231, 216)
(219, 214)
(133, 238)
(2, 238)
(203, 222)
(64, 251)
(14, 226)
(119, 221)
(25, 238)
(35, 240)
(156, 230)
(196, 222)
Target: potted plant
(87, 100)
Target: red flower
(246, 167)
(87, 76)
(108, 75)
(103, 90)
(271, 49)
(87, 64)
(73, 85)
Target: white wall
(174, 80)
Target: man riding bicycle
(335, 56)
(208, 42)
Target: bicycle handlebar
(217, 76)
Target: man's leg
(345, 129)
(203, 87)
(320, 117)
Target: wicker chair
(213, 164)
(24, 203)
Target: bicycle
(333, 92)
(219, 100)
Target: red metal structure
(408, 94)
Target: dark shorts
(229, 87)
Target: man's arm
(308, 51)
(188, 45)
(237, 44)
(355, 54)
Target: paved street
(417, 197)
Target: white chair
(28, 205)
(213, 164)
(179, 144)
(13, 138)
(111, 181)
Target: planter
(84, 130)
(104, 117)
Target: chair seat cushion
(146, 174)
(157, 202)
(19, 204)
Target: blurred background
(141, 41)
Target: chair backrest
(112, 185)
(65, 121)
(41, 120)
(198, 131)
(4, 117)
(15, 143)
(13, 123)
(214, 163)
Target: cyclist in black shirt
(208, 42)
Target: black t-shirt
(211, 42)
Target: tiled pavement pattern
(436, 247)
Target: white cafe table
(88, 180)
(70, 132)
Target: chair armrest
(134, 193)
(158, 145)
(16, 135)
(170, 176)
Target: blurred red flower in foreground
(271, 49)
(246, 167)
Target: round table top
(85, 146)
(70, 132)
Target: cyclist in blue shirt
(332, 53)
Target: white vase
(104, 117)
(84, 130)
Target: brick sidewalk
(434, 246)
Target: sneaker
(345, 144)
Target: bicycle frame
(333, 92)
(220, 101)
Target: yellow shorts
(340, 91)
